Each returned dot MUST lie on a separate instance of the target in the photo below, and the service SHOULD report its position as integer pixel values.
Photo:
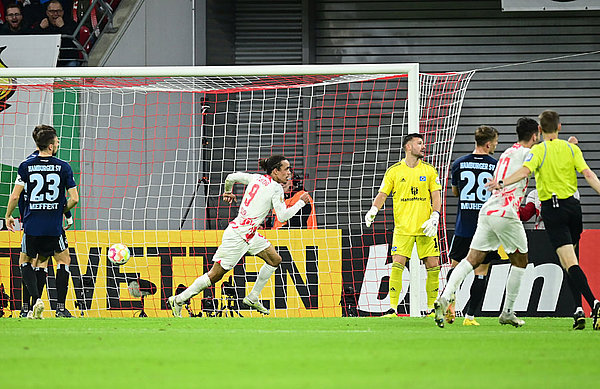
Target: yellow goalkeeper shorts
(427, 246)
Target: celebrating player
(555, 163)
(263, 193)
(469, 175)
(416, 186)
(45, 180)
(499, 224)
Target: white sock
(460, 272)
(198, 286)
(513, 284)
(265, 272)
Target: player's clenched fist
(305, 197)
(229, 197)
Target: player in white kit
(263, 193)
(499, 224)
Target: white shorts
(493, 231)
(233, 247)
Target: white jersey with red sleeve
(262, 194)
(505, 202)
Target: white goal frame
(410, 69)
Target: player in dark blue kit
(45, 180)
(469, 175)
(40, 268)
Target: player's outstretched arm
(377, 204)
(230, 180)
(517, 176)
(73, 199)
(284, 213)
(592, 179)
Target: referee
(554, 162)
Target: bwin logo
(414, 190)
(7, 86)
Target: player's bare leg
(513, 284)
(474, 259)
(213, 276)
(272, 260)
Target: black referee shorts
(563, 222)
(459, 248)
(44, 246)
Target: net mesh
(150, 156)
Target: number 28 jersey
(470, 174)
(262, 194)
(505, 202)
(45, 181)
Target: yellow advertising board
(307, 283)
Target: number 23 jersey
(45, 181)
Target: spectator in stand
(55, 22)
(15, 24)
(32, 10)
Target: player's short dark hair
(54, 2)
(43, 135)
(484, 134)
(549, 121)
(526, 127)
(410, 137)
(271, 163)
(12, 4)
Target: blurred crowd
(24, 17)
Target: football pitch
(294, 353)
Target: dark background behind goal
(442, 36)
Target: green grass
(294, 353)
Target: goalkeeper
(263, 193)
(417, 202)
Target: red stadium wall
(589, 249)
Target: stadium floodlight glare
(151, 147)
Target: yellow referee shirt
(554, 163)
(411, 189)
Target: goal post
(151, 147)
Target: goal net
(150, 152)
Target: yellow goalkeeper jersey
(411, 188)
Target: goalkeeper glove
(431, 225)
(69, 222)
(370, 216)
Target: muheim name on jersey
(307, 283)
(477, 166)
(466, 205)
